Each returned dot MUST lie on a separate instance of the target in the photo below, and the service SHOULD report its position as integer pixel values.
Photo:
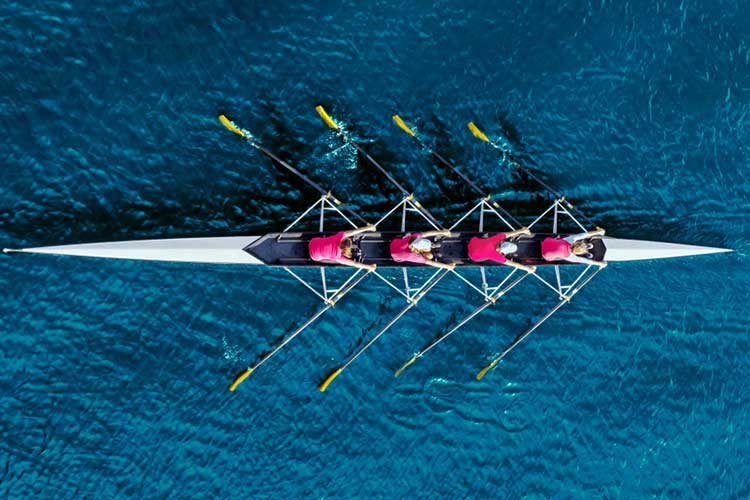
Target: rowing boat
(289, 249)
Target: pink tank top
(400, 251)
(486, 249)
(554, 249)
(328, 248)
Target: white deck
(625, 250)
(221, 250)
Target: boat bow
(625, 250)
(221, 250)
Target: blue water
(113, 374)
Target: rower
(338, 248)
(575, 248)
(417, 248)
(499, 249)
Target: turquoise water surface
(114, 374)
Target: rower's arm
(582, 236)
(358, 265)
(430, 234)
(577, 259)
(441, 265)
(359, 230)
(518, 232)
(522, 267)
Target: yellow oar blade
(231, 126)
(406, 365)
(403, 126)
(477, 133)
(326, 118)
(328, 381)
(487, 368)
(240, 378)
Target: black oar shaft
(473, 185)
(352, 282)
(348, 140)
(492, 300)
(441, 159)
(309, 181)
(505, 151)
(375, 337)
(249, 138)
(461, 323)
(412, 302)
(557, 194)
(311, 320)
(528, 332)
(536, 325)
(397, 317)
(375, 164)
(383, 171)
(475, 312)
(468, 181)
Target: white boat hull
(219, 250)
(626, 250)
(229, 250)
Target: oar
(507, 154)
(413, 302)
(489, 302)
(486, 196)
(331, 302)
(253, 142)
(345, 137)
(536, 325)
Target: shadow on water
(84, 221)
(277, 136)
(193, 217)
(527, 200)
(241, 209)
(509, 130)
(284, 140)
(445, 178)
(232, 208)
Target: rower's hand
(451, 266)
(600, 231)
(371, 267)
(602, 265)
(371, 227)
(444, 232)
(525, 230)
(530, 269)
